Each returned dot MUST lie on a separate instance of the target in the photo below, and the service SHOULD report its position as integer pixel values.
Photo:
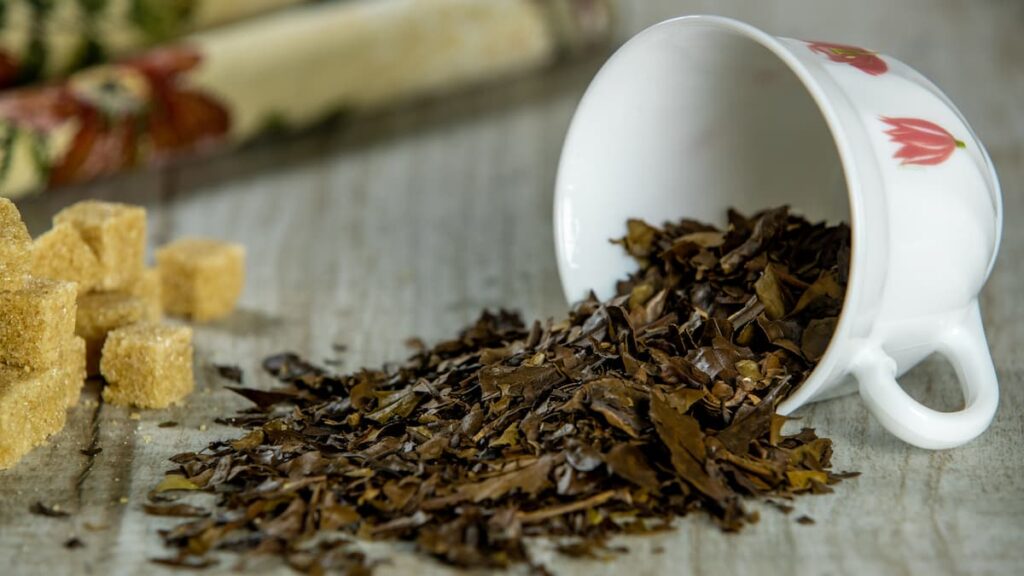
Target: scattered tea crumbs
(51, 511)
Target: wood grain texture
(409, 223)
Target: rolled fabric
(47, 39)
(290, 69)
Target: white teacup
(701, 113)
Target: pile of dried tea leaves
(615, 419)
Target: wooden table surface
(411, 222)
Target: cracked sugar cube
(62, 254)
(32, 408)
(35, 321)
(117, 235)
(147, 288)
(148, 365)
(101, 312)
(14, 246)
(201, 278)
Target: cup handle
(967, 350)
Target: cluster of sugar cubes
(79, 300)
(42, 361)
(201, 284)
(115, 236)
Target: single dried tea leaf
(333, 517)
(813, 452)
(640, 238)
(768, 224)
(232, 373)
(816, 337)
(704, 239)
(675, 431)
(263, 399)
(175, 510)
(250, 441)
(682, 399)
(530, 480)
(801, 480)
(754, 425)
(186, 561)
(629, 461)
(770, 293)
(825, 291)
(398, 405)
(562, 509)
(508, 438)
(614, 399)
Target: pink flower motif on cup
(921, 142)
(860, 58)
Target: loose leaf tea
(613, 420)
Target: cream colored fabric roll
(290, 69)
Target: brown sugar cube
(14, 246)
(148, 365)
(35, 322)
(101, 312)
(72, 363)
(201, 279)
(147, 288)
(117, 235)
(32, 407)
(62, 254)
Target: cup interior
(687, 119)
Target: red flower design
(179, 118)
(922, 142)
(125, 114)
(864, 60)
(38, 109)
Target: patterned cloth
(291, 69)
(46, 39)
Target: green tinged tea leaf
(174, 482)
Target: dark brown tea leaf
(51, 511)
(233, 373)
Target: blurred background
(324, 135)
(390, 164)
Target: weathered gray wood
(409, 223)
